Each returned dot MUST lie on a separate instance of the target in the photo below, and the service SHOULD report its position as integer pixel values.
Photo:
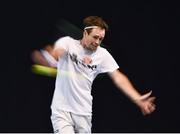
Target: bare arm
(123, 83)
(47, 56)
(145, 102)
(38, 58)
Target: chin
(93, 49)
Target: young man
(78, 63)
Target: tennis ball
(44, 70)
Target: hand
(146, 103)
(38, 58)
(49, 48)
(44, 57)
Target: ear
(85, 33)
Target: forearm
(38, 58)
(49, 58)
(144, 102)
(124, 85)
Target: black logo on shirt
(75, 59)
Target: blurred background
(143, 38)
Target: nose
(97, 42)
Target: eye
(100, 39)
(95, 37)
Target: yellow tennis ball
(44, 70)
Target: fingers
(148, 109)
(35, 56)
(49, 48)
(152, 108)
(151, 99)
(38, 58)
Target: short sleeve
(62, 43)
(108, 63)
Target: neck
(83, 43)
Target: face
(94, 38)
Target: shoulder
(66, 38)
(103, 51)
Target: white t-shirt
(74, 78)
